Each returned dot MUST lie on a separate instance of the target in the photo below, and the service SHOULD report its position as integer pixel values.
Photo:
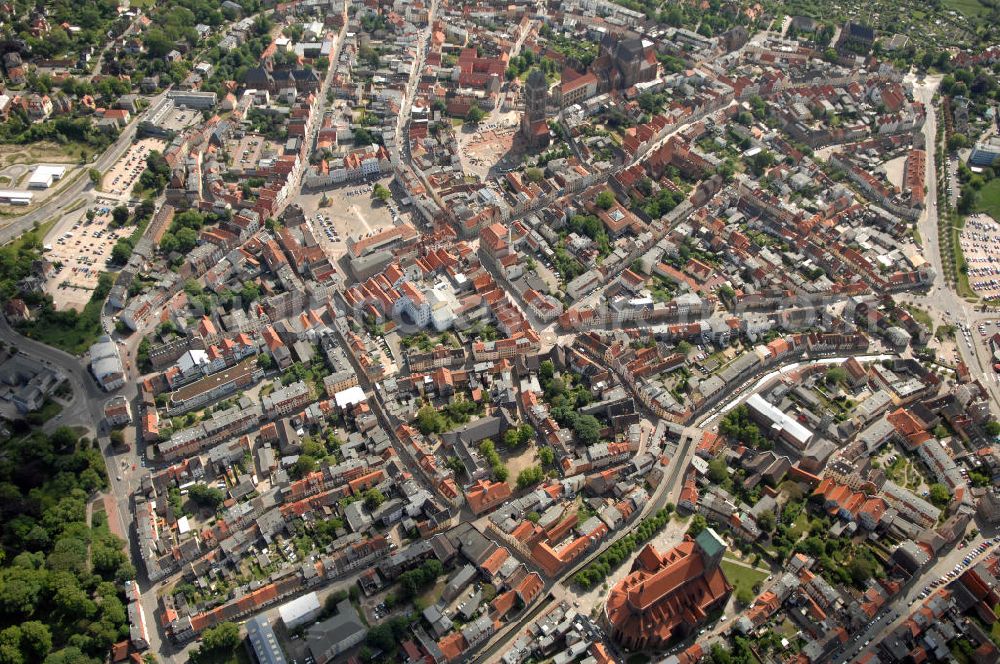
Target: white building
(15, 197)
(106, 364)
(779, 424)
(300, 611)
(44, 176)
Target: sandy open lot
(481, 148)
(36, 153)
(523, 457)
(894, 170)
(120, 179)
(981, 247)
(82, 248)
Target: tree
(206, 496)
(119, 215)
(744, 596)
(157, 43)
(95, 176)
(222, 638)
(957, 141)
(36, 640)
(304, 465)
(429, 420)
(761, 162)
(381, 192)
(70, 655)
(860, 570)
(187, 238)
(475, 115)
(766, 521)
(605, 200)
(530, 476)
(373, 498)
(939, 494)
(249, 293)
(117, 437)
(517, 436)
(364, 137)
(587, 429)
(121, 252)
(534, 175)
(10, 646)
(168, 243)
(720, 655)
(697, 525)
(718, 470)
(835, 376)
(992, 428)
(546, 456)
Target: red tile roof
(664, 594)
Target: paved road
(941, 300)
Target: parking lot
(81, 249)
(981, 247)
(246, 153)
(123, 175)
(181, 118)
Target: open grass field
(970, 8)
(962, 286)
(43, 151)
(40, 233)
(921, 316)
(742, 577)
(988, 200)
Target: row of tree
(616, 554)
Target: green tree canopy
(605, 200)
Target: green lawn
(742, 577)
(988, 200)
(48, 411)
(432, 594)
(68, 330)
(971, 8)
(962, 286)
(800, 526)
(920, 316)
